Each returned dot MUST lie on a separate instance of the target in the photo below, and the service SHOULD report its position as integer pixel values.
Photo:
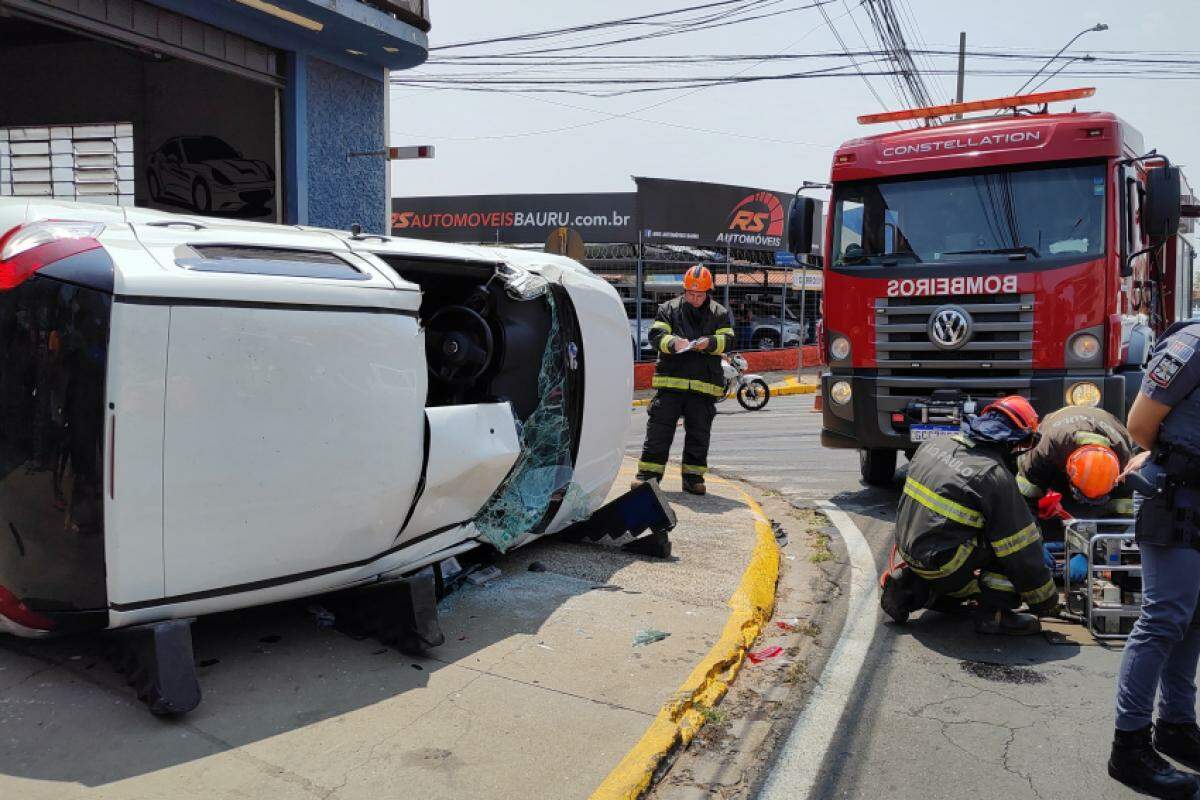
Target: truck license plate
(923, 433)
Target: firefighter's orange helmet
(697, 279)
(1017, 409)
(1093, 470)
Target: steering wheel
(458, 345)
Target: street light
(1099, 26)
(1066, 64)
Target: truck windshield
(1021, 214)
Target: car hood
(239, 169)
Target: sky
(770, 134)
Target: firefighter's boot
(1179, 741)
(1002, 622)
(1135, 763)
(694, 485)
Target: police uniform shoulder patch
(1171, 362)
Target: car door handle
(169, 222)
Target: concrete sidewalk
(538, 693)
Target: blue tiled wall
(345, 114)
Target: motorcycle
(751, 390)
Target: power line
(846, 50)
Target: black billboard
(711, 214)
(515, 218)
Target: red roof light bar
(929, 112)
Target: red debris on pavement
(757, 657)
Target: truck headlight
(1084, 393)
(1085, 347)
(840, 392)
(839, 348)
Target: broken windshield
(1017, 214)
(544, 470)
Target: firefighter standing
(1162, 652)
(965, 531)
(1079, 456)
(690, 333)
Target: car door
(294, 410)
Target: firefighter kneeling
(964, 529)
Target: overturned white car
(200, 414)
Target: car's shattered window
(543, 471)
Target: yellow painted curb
(679, 719)
(789, 386)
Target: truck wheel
(878, 467)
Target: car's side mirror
(800, 227)
(1163, 206)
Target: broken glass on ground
(649, 636)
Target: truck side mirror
(800, 227)
(1163, 206)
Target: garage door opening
(86, 119)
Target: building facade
(272, 110)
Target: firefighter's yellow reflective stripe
(963, 440)
(942, 505)
(1040, 594)
(658, 323)
(720, 348)
(997, 582)
(1083, 437)
(664, 344)
(970, 590)
(651, 467)
(724, 332)
(1028, 488)
(667, 382)
(1023, 538)
(1122, 506)
(688, 469)
(949, 568)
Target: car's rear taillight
(15, 609)
(27, 248)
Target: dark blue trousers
(1162, 652)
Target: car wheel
(201, 197)
(766, 341)
(877, 466)
(155, 188)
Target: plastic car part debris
(157, 660)
(484, 576)
(759, 656)
(623, 520)
(788, 625)
(520, 283)
(323, 616)
(543, 471)
(649, 636)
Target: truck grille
(997, 360)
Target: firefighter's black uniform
(962, 512)
(1044, 468)
(688, 385)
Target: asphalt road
(937, 711)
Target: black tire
(201, 197)
(761, 395)
(155, 188)
(878, 467)
(766, 341)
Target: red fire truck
(1020, 252)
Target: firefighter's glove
(1046, 608)
(1050, 506)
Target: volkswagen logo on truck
(950, 327)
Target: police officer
(1163, 649)
(965, 532)
(1080, 455)
(690, 333)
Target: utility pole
(962, 64)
